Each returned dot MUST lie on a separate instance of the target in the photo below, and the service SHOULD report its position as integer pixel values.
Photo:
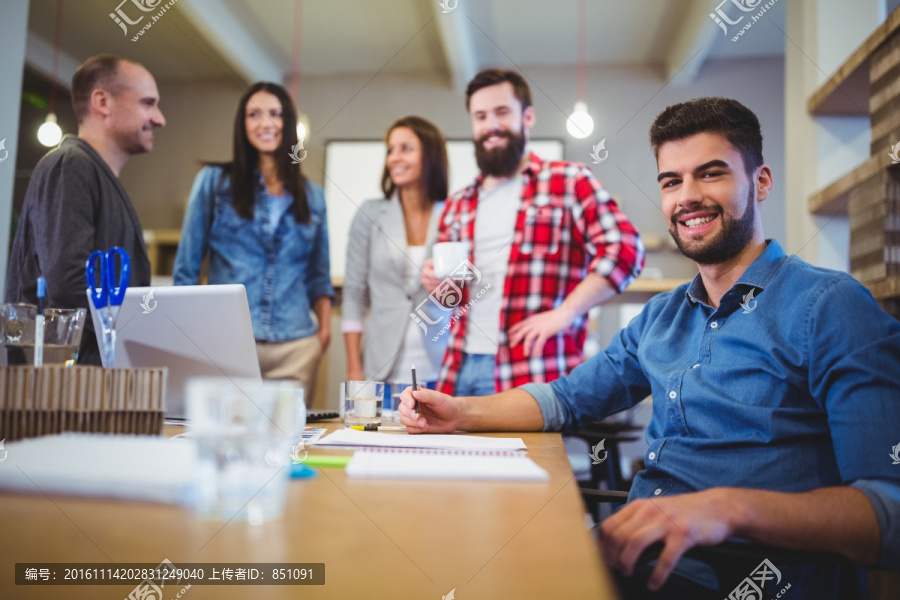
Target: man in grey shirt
(75, 203)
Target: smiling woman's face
(263, 122)
(404, 157)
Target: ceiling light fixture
(580, 124)
(303, 128)
(49, 134)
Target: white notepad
(132, 467)
(354, 437)
(418, 463)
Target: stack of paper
(146, 468)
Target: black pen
(415, 387)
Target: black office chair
(606, 483)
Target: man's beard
(733, 236)
(500, 162)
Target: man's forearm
(839, 520)
(592, 291)
(512, 410)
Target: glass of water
(397, 388)
(245, 431)
(63, 328)
(363, 402)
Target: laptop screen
(194, 330)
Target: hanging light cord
(582, 33)
(295, 51)
(57, 37)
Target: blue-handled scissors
(109, 294)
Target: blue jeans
(476, 376)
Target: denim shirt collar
(758, 275)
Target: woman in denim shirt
(263, 224)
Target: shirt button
(657, 491)
(714, 324)
(652, 455)
(672, 394)
(695, 366)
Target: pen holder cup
(63, 328)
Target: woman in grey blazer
(389, 240)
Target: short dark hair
(99, 71)
(724, 116)
(489, 77)
(434, 158)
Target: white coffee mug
(448, 256)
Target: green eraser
(327, 460)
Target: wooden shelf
(834, 198)
(885, 288)
(847, 91)
(654, 286)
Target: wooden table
(378, 538)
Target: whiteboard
(353, 175)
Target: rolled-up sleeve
(318, 282)
(609, 237)
(551, 409)
(885, 499)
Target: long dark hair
(434, 158)
(242, 169)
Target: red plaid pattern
(567, 225)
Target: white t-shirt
(414, 343)
(495, 227)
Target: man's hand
(680, 522)
(429, 280)
(537, 329)
(438, 413)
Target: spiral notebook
(423, 463)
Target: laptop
(194, 330)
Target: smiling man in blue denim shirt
(775, 384)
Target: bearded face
(499, 160)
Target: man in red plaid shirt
(547, 242)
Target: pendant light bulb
(580, 124)
(49, 133)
